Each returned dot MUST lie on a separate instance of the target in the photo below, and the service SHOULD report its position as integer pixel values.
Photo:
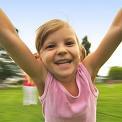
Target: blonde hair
(82, 52)
(49, 27)
(46, 29)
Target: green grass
(109, 108)
(13, 110)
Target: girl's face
(60, 53)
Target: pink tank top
(60, 106)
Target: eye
(69, 43)
(50, 46)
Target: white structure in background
(29, 92)
(29, 95)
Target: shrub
(115, 73)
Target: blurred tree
(8, 68)
(86, 44)
(115, 73)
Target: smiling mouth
(63, 61)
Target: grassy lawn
(12, 110)
(109, 103)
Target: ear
(36, 55)
(82, 53)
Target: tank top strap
(84, 72)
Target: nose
(61, 50)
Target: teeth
(63, 61)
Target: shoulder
(83, 70)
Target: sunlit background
(88, 17)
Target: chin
(66, 74)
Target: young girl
(64, 78)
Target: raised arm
(18, 50)
(5, 23)
(107, 46)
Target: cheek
(46, 58)
(43, 58)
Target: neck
(70, 84)
(67, 80)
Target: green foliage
(86, 44)
(115, 73)
(8, 68)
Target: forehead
(61, 34)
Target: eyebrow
(65, 39)
(70, 38)
(49, 42)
